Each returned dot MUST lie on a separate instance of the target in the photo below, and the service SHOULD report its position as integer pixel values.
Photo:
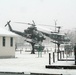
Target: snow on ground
(31, 63)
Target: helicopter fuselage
(60, 38)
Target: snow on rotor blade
(23, 23)
(44, 29)
(46, 25)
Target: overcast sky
(41, 11)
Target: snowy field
(31, 63)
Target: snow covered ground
(31, 63)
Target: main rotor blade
(38, 24)
(50, 25)
(23, 23)
(46, 25)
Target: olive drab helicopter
(57, 37)
(30, 33)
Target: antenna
(55, 31)
(57, 26)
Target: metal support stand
(60, 54)
(58, 51)
(53, 57)
(63, 54)
(49, 58)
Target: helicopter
(30, 33)
(57, 37)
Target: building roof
(4, 32)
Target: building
(7, 43)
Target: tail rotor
(8, 23)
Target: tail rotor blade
(5, 25)
(8, 23)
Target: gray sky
(41, 11)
